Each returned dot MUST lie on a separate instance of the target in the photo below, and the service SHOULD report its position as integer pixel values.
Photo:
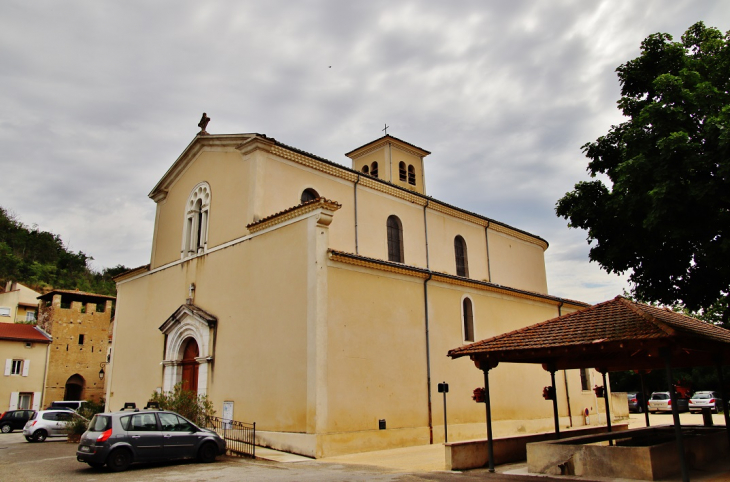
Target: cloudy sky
(98, 98)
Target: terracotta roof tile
(319, 200)
(616, 320)
(22, 332)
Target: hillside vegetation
(39, 260)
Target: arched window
(374, 169)
(468, 318)
(197, 210)
(309, 195)
(395, 239)
(402, 171)
(411, 175)
(462, 264)
(366, 169)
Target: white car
(48, 423)
(661, 402)
(702, 400)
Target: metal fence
(240, 437)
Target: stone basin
(642, 453)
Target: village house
(24, 348)
(18, 304)
(320, 301)
(78, 323)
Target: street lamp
(101, 372)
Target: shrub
(194, 407)
(79, 425)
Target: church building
(320, 301)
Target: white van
(68, 404)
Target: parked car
(636, 402)
(14, 420)
(702, 400)
(48, 423)
(661, 402)
(74, 405)
(120, 439)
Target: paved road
(55, 460)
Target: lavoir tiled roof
(616, 333)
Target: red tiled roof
(618, 320)
(22, 332)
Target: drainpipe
(357, 251)
(428, 358)
(428, 344)
(486, 238)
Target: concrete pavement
(431, 458)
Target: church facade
(320, 301)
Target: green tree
(665, 214)
(196, 408)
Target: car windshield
(702, 396)
(659, 396)
(100, 423)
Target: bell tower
(392, 160)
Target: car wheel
(714, 410)
(40, 436)
(119, 460)
(6, 428)
(639, 410)
(95, 465)
(207, 452)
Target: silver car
(702, 400)
(48, 423)
(661, 402)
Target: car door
(144, 435)
(180, 436)
(62, 421)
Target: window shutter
(13, 401)
(26, 367)
(8, 364)
(36, 401)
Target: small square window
(4, 311)
(16, 367)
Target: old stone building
(79, 324)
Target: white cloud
(98, 99)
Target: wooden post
(667, 355)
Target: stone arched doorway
(74, 387)
(190, 365)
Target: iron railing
(240, 437)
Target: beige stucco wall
(517, 263)
(33, 383)
(256, 289)
(228, 174)
(67, 357)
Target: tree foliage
(39, 260)
(194, 407)
(665, 214)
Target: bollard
(707, 416)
